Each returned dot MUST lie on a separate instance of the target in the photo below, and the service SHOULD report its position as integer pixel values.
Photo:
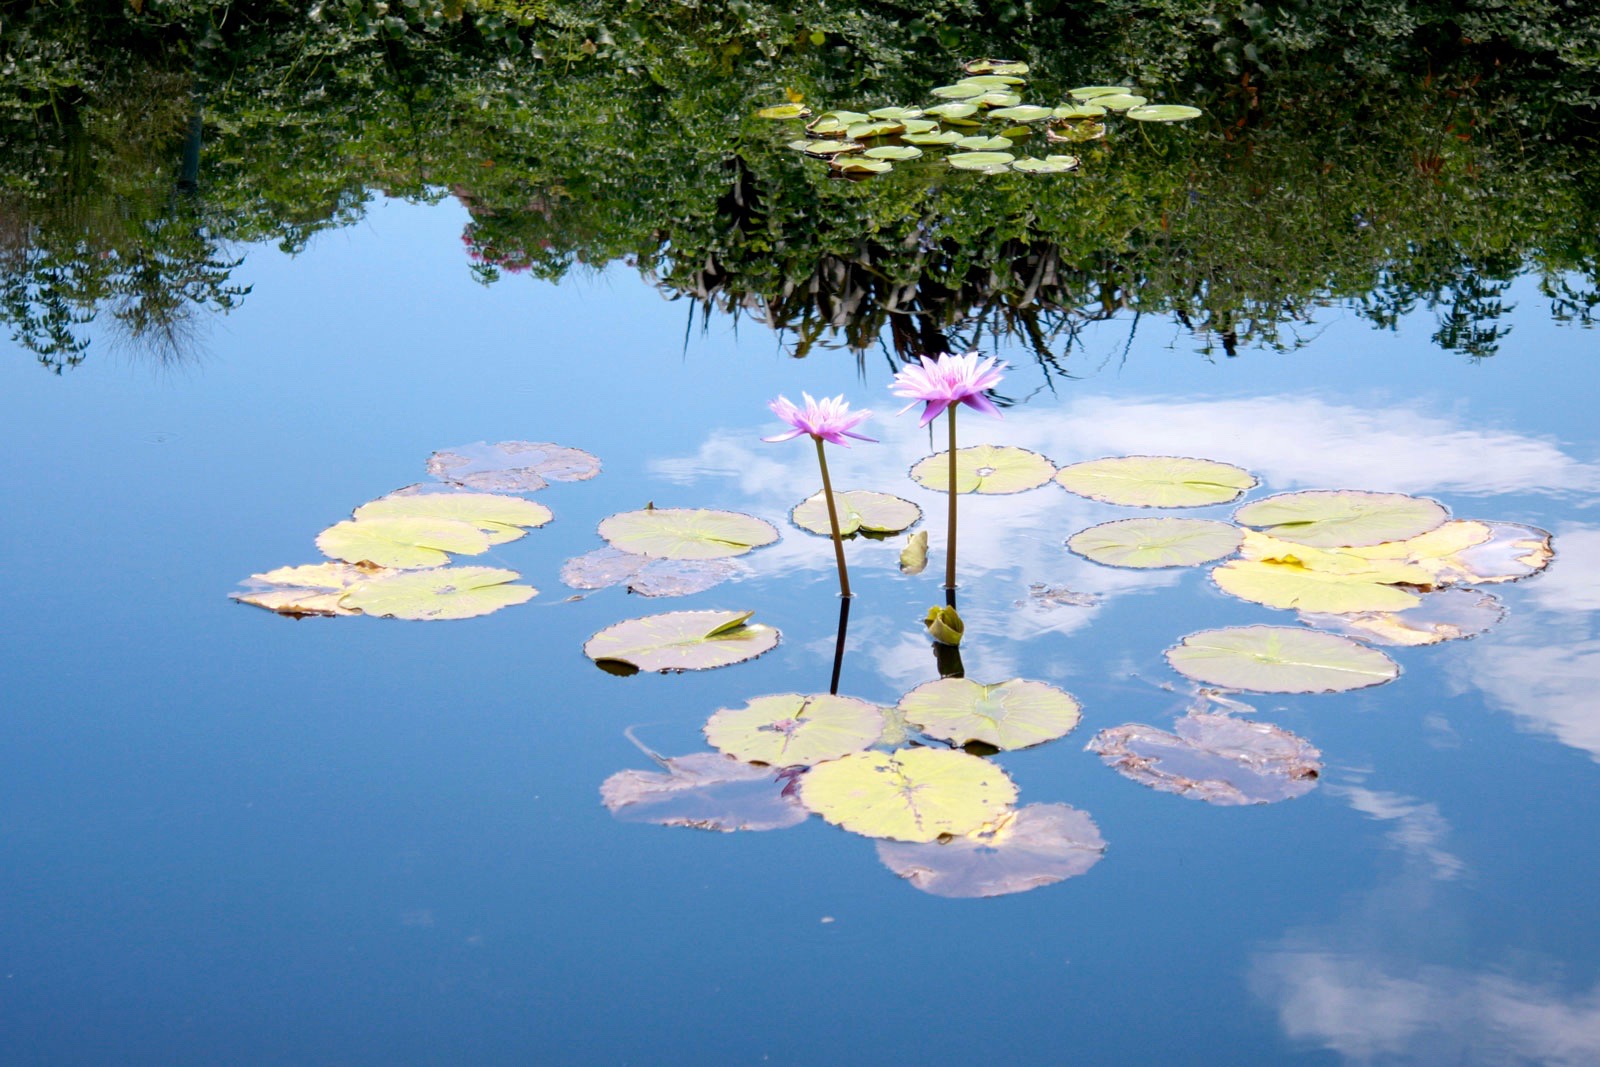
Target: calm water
(232, 838)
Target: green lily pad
(1447, 615)
(1162, 542)
(995, 66)
(1331, 518)
(795, 730)
(681, 641)
(1052, 164)
(895, 114)
(1007, 715)
(1280, 659)
(996, 469)
(955, 110)
(823, 149)
(512, 466)
(1290, 585)
(1033, 846)
(919, 125)
(911, 794)
(981, 161)
(306, 590)
(645, 575)
(1016, 133)
(687, 533)
(894, 152)
(984, 144)
(1219, 759)
(784, 111)
(994, 81)
(1021, 113)
(1156, 481)
(1078, 111)
(440, 593)
(914, 557)
(1089, 92)
(854, 165)
(960, 91)
(998, 99)
(501, 517)
(861, 131)
(1163, 113)
(403, 542)
(858, 509)
(942, 137)
(705, 791)
(1120, 101)
(1076, 132)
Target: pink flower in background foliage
(949, 380)
(828, 419)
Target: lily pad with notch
(1033, 846)
(942, 137)
(1329, 518)
(985, 162)
(989, 469)
(1005, 715)
(1156, 481)
(953, 110)
(680, 641)
(439, 593)
(1077, 112)
(859, 511)
(306, 590)
(1163, 113)
(687, 533)
(895, 152)
(794, 729)
(512, 466)
(980, 144)
(960, 91)
(1297, 587)
(1090, 92)
(1157, 542)
(404, 542)
(500, 516)
(1280, 659)
(856, 167)
(1219, 759)
(910, 794)
(825, 149)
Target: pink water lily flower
(828, 419)
(949, 380)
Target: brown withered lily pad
(706, 791)
(645, 575)
(512, 466)
(1219, 759)
(1033, 846)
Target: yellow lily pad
(1280, 659)
(1290, 585)
(687, 533)
(440, 593)
(859, 510)
(680, 641)
(914, 557)
(795, 730)
(1006, 715)
(1327, 518)
(1156, 481)
(1160, 542)
(501, 517)
(990, 469)
(784, 111)
(308, 589)
(404, 542)
(911, 794)
(1033, 846)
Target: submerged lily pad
(1290, 585)
(646, 575)
(1033, 846)
(1509, 553)
(440, 593)
(1006, 715)
(1075, 132)
(1215, 758)
(706, 791)
(1156, 481)
(687, 533)
(499, 516)
(1280, 659)
(1163, 113)
(980, 161)
(1047, 165)
(795, 730)
(911, 794)
(914, 557)
(1447, 615)
(309, 589)
(1327, 518)
(993, 469)
(403, 542)
(512, 466)
(681, 641)
(1161, 542)
(784, 111)
(858, 510)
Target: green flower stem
(833, 520)
(950, 525)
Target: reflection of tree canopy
(1398, 154)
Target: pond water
(232, 837)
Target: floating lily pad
(784, 111)
(1076, 132)
(914, 557)
(795, 730)
(825, 149)
(499, 516)
(1280, 659)
(895, 114)
(861, 131)
(995, 66)
(858, 510)
(645, 575)
(1156, 481)
(706, 791)
(1331, 518)
(1047, 165)
(837, 121)
(1447, 615)
(995, 98)
(911, 794)
(403, 542)
(919, 125)
(993, 469)
(1290, 585)
(894, 152)
(1120, 101)
(1090, 92)
(681, 641)
(1021, 113)
(1162, 542)
(1016, 133)
(1033, 846)
(993, 81)
(1510, 553)
(984, 144)
(512, 466)
(1215, 758)
(960, 91)
(988, 162)
(1163, 113)
(309, 589)
(853, 165)
(440, 593)
(1006, 715)
(952, 110)
(941, 138)
(1078, 111)
(1349, 562)
(686, 533)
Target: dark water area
(228, 836)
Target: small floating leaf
(1215, 758)
(824, 149)
(858, 509)
(983, 161)
(687, 533)
(706, 791)
(1076, 132)
(1162, 542)
(962, 91)
(994, 66)
(1021, 113)
(996, 469)
(919, 125)
(682, 641)
(403, 542)
(855, 165)
(645, 575)
(911, 794)
(994, 81)
(1163, 113)
(895, 152)
(952, 110)
(497, 515)
(512, 466)
(1078, 111)
(1447, 615)
(914, 557)
(863, 130)
(895, 114)
(1280, 659)
(784, 111)
(441, 593)
(942, 137)
(1119, 101)
(1089, 92)
(1048, 165)
(1331, 518)
(1033, 846)
(795, 730)
(1007, 715)
(1290, 585)
(981, 144)
(309, 589)
(1156, 481)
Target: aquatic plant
(829, 419)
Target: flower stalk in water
(829, 419)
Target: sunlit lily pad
(795, 730)
(1331, 518)
(1033, 846)
(956, 110)
(858, 510)
(1290, 585)
(895, 114)
(825, 149)
(943, 137)
(784, 111)
(1508, 552)
(1078, 111)
(681, 641)
(1280, 659)
(1447, 615)
(1156, 481)
(911, 794)
(1215, 758)
(645, 575)
(996, 98)
(404, 542)
(309, 589)
(1163, 113)
(980, 144)
(1075, 132)
(996, 469)
(861, 131)
(918, 126)
(993, 81)
(1350, 562)
(1120, 101)
(1160, 542)
(706, 791)
(960, 91)
(837, 121)
(440, 593)
(1047, 165)
(1090, 92)
(914, 557)
(687, 533)
(512, 466)
(894, 152)
(854, 165)
(499, 516)
(995, 66)
(1006, 715)
(1021, 113)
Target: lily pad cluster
(975, 124)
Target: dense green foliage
(1385, 152)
